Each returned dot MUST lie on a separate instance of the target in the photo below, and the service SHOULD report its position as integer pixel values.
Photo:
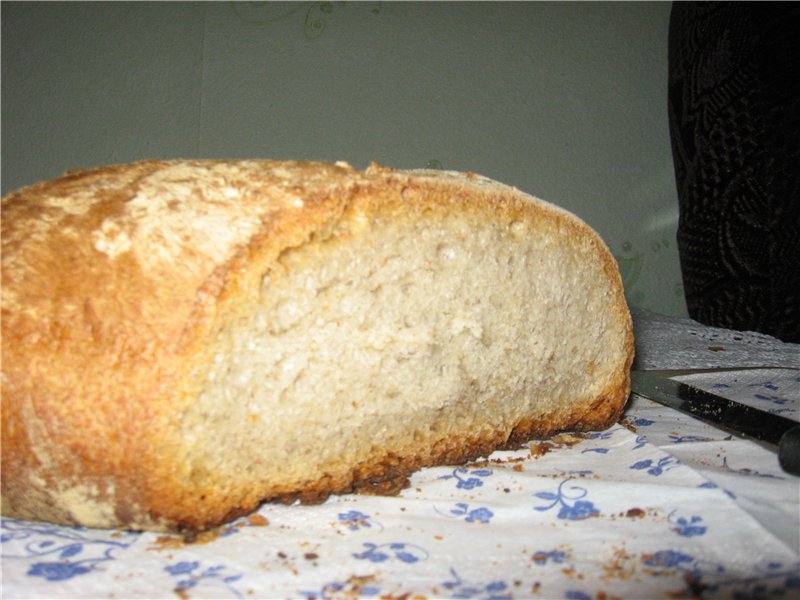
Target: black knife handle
(789, 451)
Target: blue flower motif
(481, 515)
(57, 571)
(656, 469)
(687, 527)
(182, 567)
(354, 587)
(572, 507)
(372, 554)
(582, 509)
(598, 435)
(407, 553)
(406, 557)
(459, 588)
(577, 595)
(771, 398)
(468, 483)
(355, 520)
(641, 422)
(475, 515)
(212, 574)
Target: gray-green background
(567, 101)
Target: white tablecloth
(659, 505)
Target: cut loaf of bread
(183, 340)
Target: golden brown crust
(90, 305)
(115, 277)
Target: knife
(775, 431)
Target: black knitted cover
(734, 113)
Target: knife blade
(775, 431)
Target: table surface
(659, 505)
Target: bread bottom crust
(388, 474)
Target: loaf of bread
(184, 340)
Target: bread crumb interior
(391, 336)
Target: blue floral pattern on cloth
(191, 574)
(470, 515)
(656, 468)
(407, 553)
(770, 396)
(686, 527)
(596, 450)
(467, 479)
(569, 501)
(601, 436)
(356, 520)
(56, 553)
(458, 587)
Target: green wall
(567, 101)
